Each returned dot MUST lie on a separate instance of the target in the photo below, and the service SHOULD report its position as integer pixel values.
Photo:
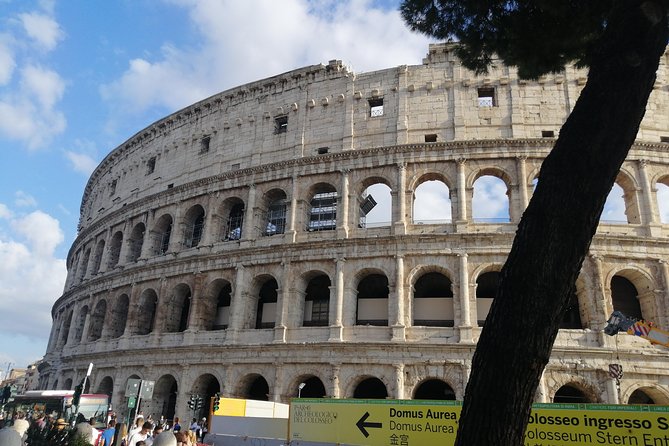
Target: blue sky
(79, 77)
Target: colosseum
(230, 246)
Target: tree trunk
(555, 231)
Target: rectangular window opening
(431, 138)
(487, 97)
(112, 188)
(204, 144)
(547, 134)
(664, 138)
(375, 107)
(323, 150)
(235, 166)
(170, 186)
(151, 165)
(280, 124)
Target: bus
(58, 403)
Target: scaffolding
(193, 232)
(161, 241)
(275, 219)
(234, 225)
(323, 212)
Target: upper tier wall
(326, 108)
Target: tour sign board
(415, 423)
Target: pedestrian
(120, 435)
(166, 438)
(176, 427)
(108, 435)
(141, 435)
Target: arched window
(161, 234)
(194, 226)
(267, 297)
(432, 203)
(375, 206)
(97, 321)
(486, 289)
(614, 208)
(311, 387)
(373, 300)
(97, 259)
(135, 242)
(258, 389)
(317, 302)
(570, 395)
(624, 297)
(223, 308)
(81, 321)
(434, 389)
(235, 222)
(274, 221)
(490, 203)
(179, 309)
(433, 301)
(115, 249)
(663, 199)
(323, 209)
(119, 316)
(147, 312)
(572, 315)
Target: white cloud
(81, 162)
(614, 208)
(281, 37)
(7, 62)
(42, 29)
(24, 199)
(46, 86)
(489, 201)
(32, 276)
(432, 203)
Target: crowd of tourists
(43, 430)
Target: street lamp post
(299, 390)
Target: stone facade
(224, 248)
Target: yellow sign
(416, 423)
(231, 407)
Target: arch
(215, 313)
(625, 297)
(106, 386)
(207, 386)
(322, 208)
(433, 300)
(161, 235)
(97, 257)
(193, 226)
(490, 201)
(81, 322)
(371, 388)
(317, 301)
(571, 318)
(614, 207)
(135, 242)
(68, 384)
(486, 290)
(165, 396)
(84, 264)
(571, 394)
(66, 328)
(647, 393)
(178, 309)
(434, 389)
(432, 201)
(309, 386)
(234, 220)
(146, 314)
(255, 387)
(266, 309)
(275, 205)
(375, 203)
(639, 396)
(372, 300)
(119, 316)
(662, 198)
(97, 321)
(115, 249)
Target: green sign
(132, 402)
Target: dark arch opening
(267, 297)
(433, 301)
(434, 389)
(258, 390)
(373, 300)
(624, 297)
(569, 394)
(371, 388)
(640, 397)
(486, 290)
(317, 302)
(313, 388)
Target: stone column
(237, 306)
(177, 234)
(209, 234)
(343, 207)
(283, 304)
(598, 319)
(277, 389)
(397, 304)
(76, 308)
(663, 317)
(336, 391)
(542, 395)
(462, 193)
(196, 304)
(399, 213)
(522, 184)
(649, 210)
(337, 304)
(292, 212)
(465, 326)
(247, 231)
(399, 381)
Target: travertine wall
(138, 303)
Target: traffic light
(198, 402)
(191, 402)
(217, 402)
(78, 389)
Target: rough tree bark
(555, 231)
